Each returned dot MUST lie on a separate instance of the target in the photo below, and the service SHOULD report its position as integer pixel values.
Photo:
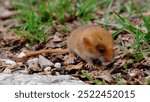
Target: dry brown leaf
(2, 67)
(136, 77)
(4, 13)
(74, 67)
(105, 75)
(2, 29)
(56, 39)
(6, 4)
(128, 40)
(9, 23)
(146, 13)
(146, 62)
(10, 38)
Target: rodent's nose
(106, 63)
(96, 61)
(106, 60)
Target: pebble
(7, 70)
(8, 61)
(57, 73)
(44, 62)
(132, 74)
(34, 68)
(32, 62)
(22, 54)
(57, 65)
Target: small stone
(32, 62)
(132, 74)
(43, 62)
(7, 70)
(8, 61)
(35, 68)
(57, 65)
(57, 73)
(22, 54)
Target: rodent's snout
(96, 61)
(100, 60)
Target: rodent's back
(75, 40)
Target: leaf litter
(124, 70)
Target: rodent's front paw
(89, 65)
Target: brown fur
(86, 42)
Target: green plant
(148, 81)
(32, 24)
(117, 80)
(37, 15)
(146, 22)
(107, 15)
(127, 65)
(104, 3)
(139, 34)
(59, 10)
(97, 82)
(85, 9)
(137, 56)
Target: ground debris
(43, 62)
(130, 66)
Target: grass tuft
(38, 13)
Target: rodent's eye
(101, 50)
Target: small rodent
(90, 43)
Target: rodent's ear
(87, 41)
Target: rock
(7, 70)
(33, 65)
(35, 79)
(22, 54)
(43, 62)
(8, 61)
(57, 65)
(34, 68)
(57, 73)
(32, 62)
(132, 74)
(70, 82)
